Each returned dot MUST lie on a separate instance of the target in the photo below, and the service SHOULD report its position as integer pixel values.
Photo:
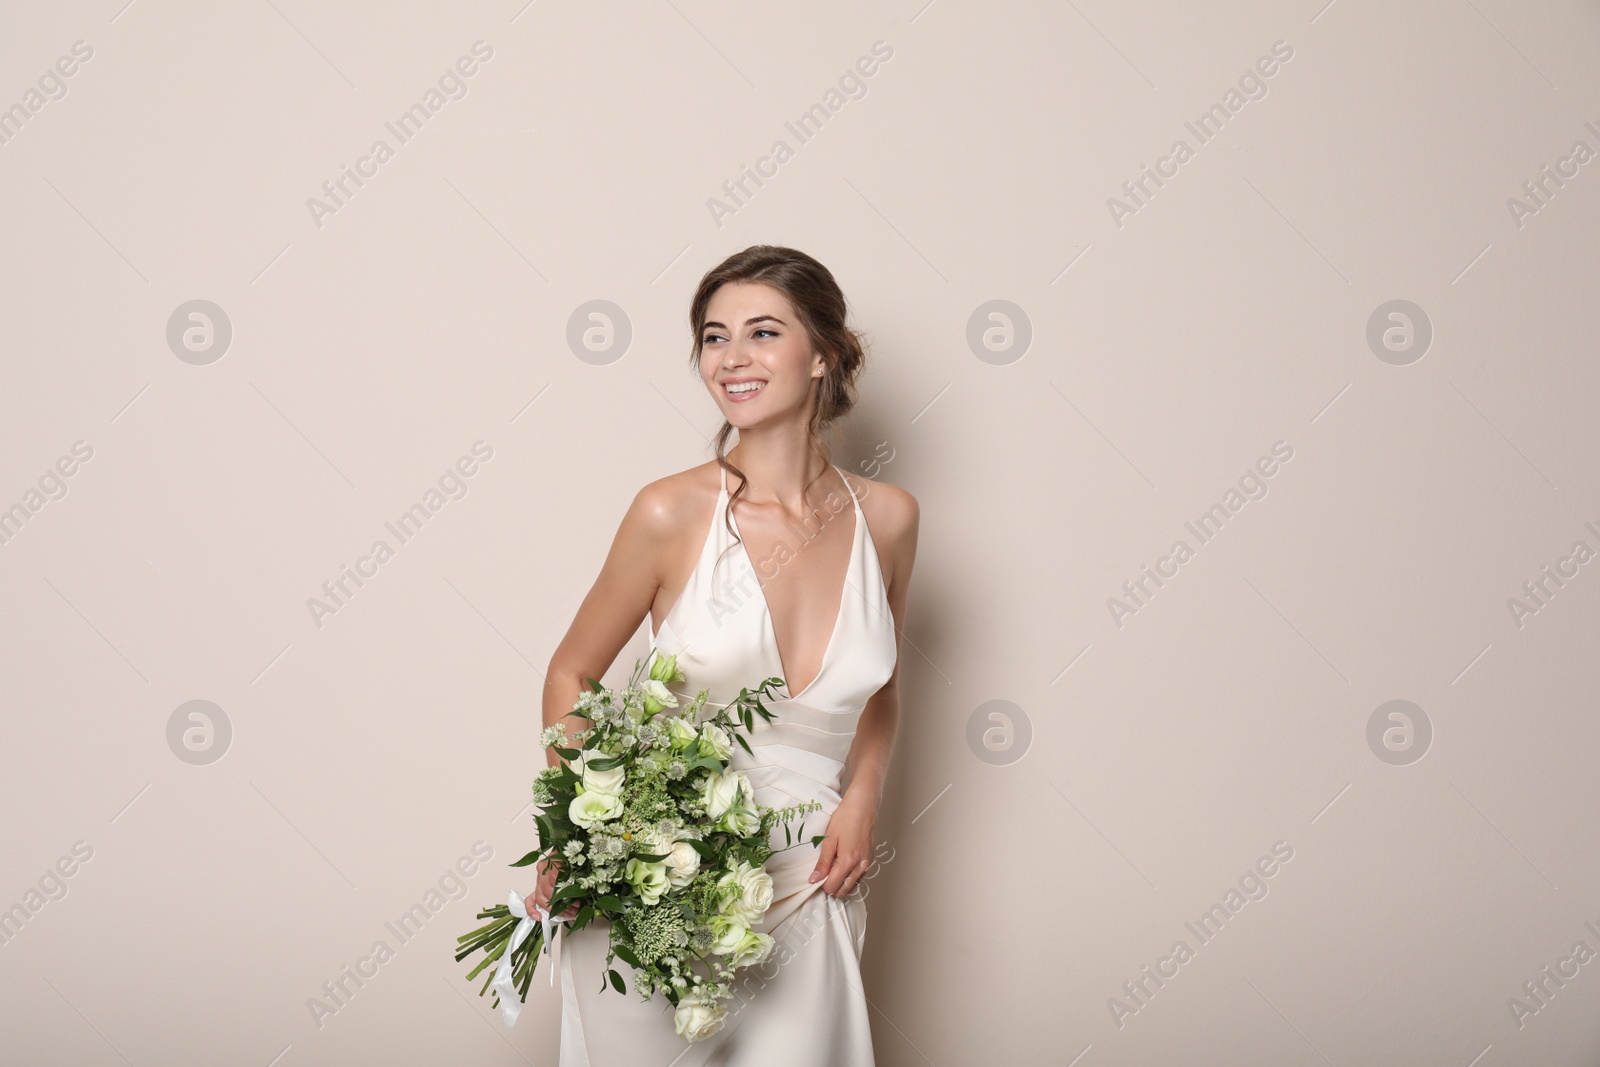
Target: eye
(763, 330)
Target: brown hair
(822, 310)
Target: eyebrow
(750, 322)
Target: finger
(852, 878)
(825, 856)
(861, 874)
(842, 869)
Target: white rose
(728, 933)
(717, 740)
(590, 809)
(683, 863)
(754, 891)
(698, 1017)
(741, 821)
(722, 791)
(754, 948)
(682, 732)
(609, 780)
(650, 840)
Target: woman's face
(754, 342)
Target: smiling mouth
(743, 390)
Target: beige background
(1145, 768)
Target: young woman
(764, 562)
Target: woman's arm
(609, 615)
(875, 731)
(847, 852)
(617, 602)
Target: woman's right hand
(539, 899)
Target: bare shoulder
(663, 510)
(892, 512)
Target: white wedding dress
(805, 1006)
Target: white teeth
(745, 387)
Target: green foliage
(616, 865)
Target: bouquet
(655, 833)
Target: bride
(813, 576)
(766, 561)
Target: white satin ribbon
(510, 1003)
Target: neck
(778, 470)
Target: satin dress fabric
(805, 1006)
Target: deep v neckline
(766, 606)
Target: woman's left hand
(846, 853)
